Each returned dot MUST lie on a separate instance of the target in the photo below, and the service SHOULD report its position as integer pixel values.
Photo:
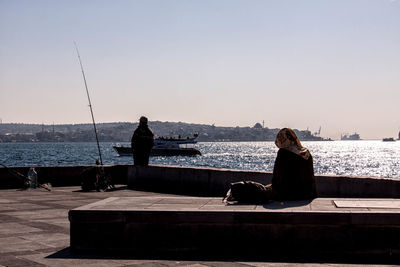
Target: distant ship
(166, 147)
(354, 136)
(388, 139)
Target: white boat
(166, 147)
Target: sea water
(359, 158)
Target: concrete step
(205, 226)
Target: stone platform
(204, 226)
(35, 231)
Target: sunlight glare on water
(361, 158)
(356, 158)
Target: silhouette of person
(142, 142)
(293, 176)
(292, 179)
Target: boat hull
(127, 151)
(388, 139)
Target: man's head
(143, 120)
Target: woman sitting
(293, 176)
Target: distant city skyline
(299, 64)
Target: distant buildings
(122, 132)
(354, 136)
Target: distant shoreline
(122, 132)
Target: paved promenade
(34, 228)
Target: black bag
(250, 192)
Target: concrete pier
(193, 227)
(35, 231)
(354, 220)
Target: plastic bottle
(32, 178)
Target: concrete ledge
(216, 182)
(202, 181)
(190, 180)
(204, 226)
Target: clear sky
(334, 64)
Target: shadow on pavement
(245, 256)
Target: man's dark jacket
(142, 142)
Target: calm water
(364, 158)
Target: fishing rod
(90, 104)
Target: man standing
(142, 142)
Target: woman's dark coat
(293, 176)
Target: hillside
(122, 132)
